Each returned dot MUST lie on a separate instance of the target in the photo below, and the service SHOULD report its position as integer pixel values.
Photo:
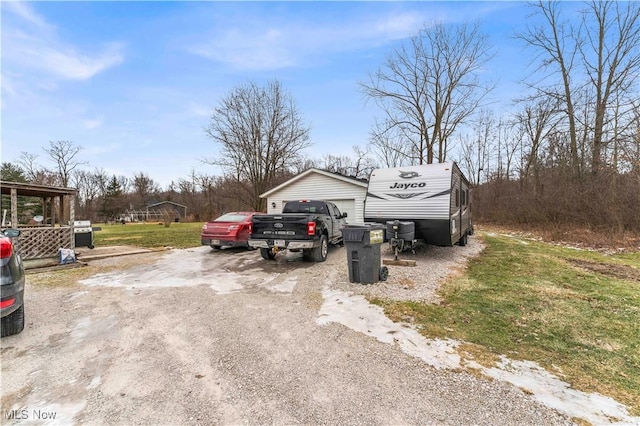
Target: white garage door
(348, 207)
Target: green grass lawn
(178, 235)
(575, 312)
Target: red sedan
(230, 229)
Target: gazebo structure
(40, 241)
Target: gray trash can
(363, 242)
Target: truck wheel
(267, 254)
(13, 323)
(215, 247)
(463, 240)
(319, 254)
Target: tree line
(567, 151)
(103, 197)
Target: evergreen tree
(112, 203)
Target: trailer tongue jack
(403, 239)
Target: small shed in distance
(179, 211)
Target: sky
(134, 83)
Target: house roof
(35, 190)
(165, 202)
(352, 180)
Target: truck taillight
(6, 248)
(251, 227)
(311, 228)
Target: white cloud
(94, 150)
(74, 66)
(252, 45)
(29, 42)
(24, 11)
(399, 25)
(199, 110)
(93, 123)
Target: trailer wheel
(267, 254)
(384, 273)
(463, 240)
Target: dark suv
(11, 285)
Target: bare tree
(261, 134)
(391, 146)
(144, 189)
(33, 171)
(429, 86)
(603, 48)
(536, 120)
(125, 184)
(510, 143)
(360, 165)
(90, 186)
(63, 154)
(477, 147)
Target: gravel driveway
(198, 336)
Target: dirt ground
(198, 336)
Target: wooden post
(14, 208)
(53, 211)
(72, 217)
(43, 202)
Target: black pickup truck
(307, 225)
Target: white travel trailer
(433, 199)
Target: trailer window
(464, 198)
(457, 198)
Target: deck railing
(44, 242)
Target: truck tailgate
(289, 226)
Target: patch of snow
(356, 313)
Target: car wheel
(215, 247)
(267, 254)
(319, 254)
(13, 323)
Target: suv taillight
(311, 228)
(6, 248)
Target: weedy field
(150, 234)
(575, 312)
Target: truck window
(305, 207)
